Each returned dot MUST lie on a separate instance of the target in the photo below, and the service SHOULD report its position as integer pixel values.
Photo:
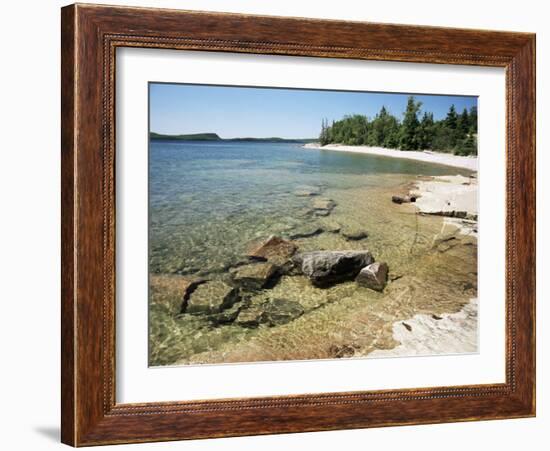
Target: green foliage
(466, 146)
(456, 133)
(426, 131)
(323, 136)
(409, 136)
(472, 115)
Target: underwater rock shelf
(231, 300)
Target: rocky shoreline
(448, 333)
(252, 294)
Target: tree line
(456, 133)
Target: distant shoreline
(214, 137)
(457, 161)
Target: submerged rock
(306, 232)
(354, 234)
(174, 290)
(374, 276)
(272, 313)
(274, 249)
(281, 311)
(323, 204)
(321, 212)
(324, 268)
(228, 315)
(211, 297)
(254, 276)
(331, 227)
(307, 191)
(250, 317)
(342, 351)
(403, 199)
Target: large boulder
(254, 276)
(326, 268)
(212, 297)
(281, 311)
(374, 276)
(274, 249)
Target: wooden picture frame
(90, 36)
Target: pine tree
(426, 131)
(451, 122)
(324, 136)
(454, 133)
(409, 127)
(452, 118)
(467, 146)
(472, 116)
(462, 125)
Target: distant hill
(216, 137)
(191, 137)
(274, 139)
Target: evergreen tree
(455, 133)
(377, 134)
(324, 136)
(409, 128)
(452, 118)
(462, 125)
(467, 146)
(472, 116)
(426, 131)
(451, 123)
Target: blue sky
(264, 112)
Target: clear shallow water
(208, 200)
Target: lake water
(207, 200)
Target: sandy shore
(426, 156)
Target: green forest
(456, 133)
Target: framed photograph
(278, 225)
